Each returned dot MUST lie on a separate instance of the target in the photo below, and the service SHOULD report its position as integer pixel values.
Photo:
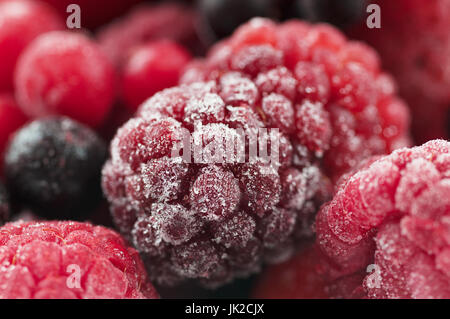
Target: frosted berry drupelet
(324, 105)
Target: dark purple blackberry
(338, 12)
(53, 165)
(4, 206)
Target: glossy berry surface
(20, 23)
(391, 219)
(196, 217)
(152, 68)
(11, 119)
(53, 167)
(4, 205)
(69, 260)
(75, 80)
(149, 23)
(418, 55)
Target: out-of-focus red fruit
(418, 55)
(64, 73)
(20, 22)
(297, 278)
(148, 23)
(152, 68)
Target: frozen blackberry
(390, 221)
(53, 166)
(212, 211)
(4, 205)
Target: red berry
(391, 219)
(243, 208)
(149, 23)
(76, 80)
(418, 55)
(43, 261)
(21, 21)
(152, 68)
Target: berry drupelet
(326, 104)
(53, 166)
(69, 260)
(391, 218)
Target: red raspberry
(20, 22)
(391, 218)
(11, 119)
(152, 68)
(76, 80)
(238, 211)
(149, 23)
(41, 260)
(418, 55)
